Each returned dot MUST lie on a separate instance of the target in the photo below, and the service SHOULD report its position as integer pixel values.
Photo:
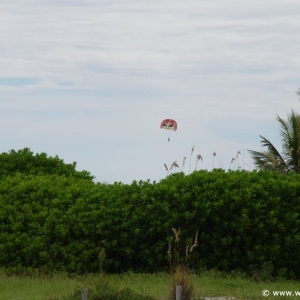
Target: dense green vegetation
(50, 220)
(26, 162)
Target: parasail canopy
(169, 124)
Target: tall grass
(180, 272)
(235, 163)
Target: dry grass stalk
(166, 167)
(193, 148)
(199, 157)
(214, 154)
(237, 159)
(170, 250)
(179, 270)
(183, 162)
(174, 164)
(187, 250)
(176, 234)
(181, 277)
(195, 242)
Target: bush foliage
(60, 220)
(24, 161)
(103, 290)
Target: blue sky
(90, 81)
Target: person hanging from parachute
(168, 124)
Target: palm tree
(287, 161)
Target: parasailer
(169, 124)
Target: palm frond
(289, 159)
(271, 148)
(290, 135)
(270, 159)
(265, 160)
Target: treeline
(50, 220)
(26, 162)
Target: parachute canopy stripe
(169, 124)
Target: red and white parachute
(169, 124)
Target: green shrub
(104, 291)
(25, 162)
(245, 220)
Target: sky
(90, 81)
